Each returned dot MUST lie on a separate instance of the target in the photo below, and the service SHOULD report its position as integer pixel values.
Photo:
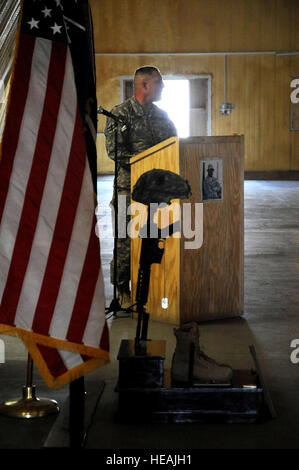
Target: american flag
(51, 284)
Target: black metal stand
(150, 253)
(76, 413)
(115, 306)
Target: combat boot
(205, 369)
(124, 295)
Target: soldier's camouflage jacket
(141, 128)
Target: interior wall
(127, 26)
(258, 84)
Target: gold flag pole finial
(29, 406)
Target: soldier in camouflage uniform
(143, 125)
(211, 186)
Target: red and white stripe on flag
(51, 283)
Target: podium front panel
(165, 277)
(211, 277)
(202, 282)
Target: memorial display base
(141, 399)
(142, 369)
(242, 402)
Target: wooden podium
(201, 276)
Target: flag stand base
(29, 406)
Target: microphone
(101, 110)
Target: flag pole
(29, 406)
(77, 412)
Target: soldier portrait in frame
(211, 177)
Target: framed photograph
(211, 178)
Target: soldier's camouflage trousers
(123, 247)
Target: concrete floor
(270, 322)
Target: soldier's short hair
(147, 70)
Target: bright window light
(175, 101)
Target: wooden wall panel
(192, 25)
(294, 70)
(295, 25)
(252, 111)
(266, 136)
(282, 138)
(104, 163)
(258, 85)
(236, 93)
(267, 14)
(283, 25)
(295, 151)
